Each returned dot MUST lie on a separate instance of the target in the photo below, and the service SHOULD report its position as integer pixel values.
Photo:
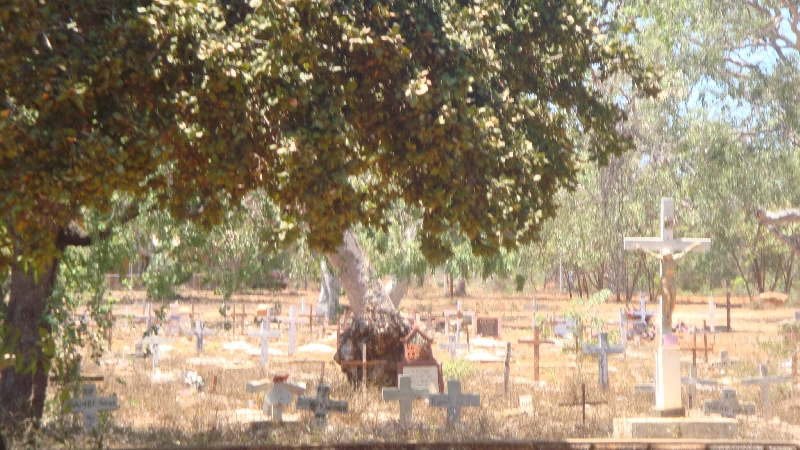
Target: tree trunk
(396, 290)
(22, 394)
(461, 288)
(329, 291)
(376, 321)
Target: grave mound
(381, 327)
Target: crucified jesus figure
(667, 289)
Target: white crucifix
(404, 394)
(90, 404)
(155, 345)
(667, 249)
(281, 392)
(199, 333)
(602, 350)
(292, 320)
(764, 381)
(265, 334)
(454, 400)
(321, 404)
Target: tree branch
(777, 217)
(74, 235)
(792, 241)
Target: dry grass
(166, 413)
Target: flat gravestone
(321, 404)
(728, 405)
(90, 404)
(418, 362)
(454, 400)
(488, 327)
(422, 376)
(405, 394)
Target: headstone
(454, 400)
(728, 405)
(692, 381)
(199, 333)
(292, 320)
(489, 327)
(265, 334)
(90, 404)
(764, 381)
(724, 359)
(280, 393)
(418, 362)
(405, 395)
(602, 350)
(321, 404)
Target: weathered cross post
(321, 404)
(603, 350)
(292, 320)
(265, 334)
(90, 404)
(692, 381)
(405, 395)
(454, 400)
(711, 308)
(582, 403)
(155, 342)
(765, 381)
(199, 333)
(535, 342)
(667, 249)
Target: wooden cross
(692, 381)
(603, 350)
(265, 334)
(765, 381)
(155, 343)
(199, 332)
(321, 404)
(405, 395)
(90, 404)
(280, 393)
(535, 342)
(727, 405)
(292, 320)
(666, 241)
(583, 404)
(363, 364)
(694, 348)
(454, 400)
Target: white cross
(711, 308)
(265, 334)
(154, 342)
(293, 320)
(454, 400)
(280, 393)
(666, 239)
(453, 345)
(404, 394)
(321, 404)
(765, 381)
(90, 404)
(603, 350)
(199, 332)
(692, 381)
(643, 313)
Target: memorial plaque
(422, 377)
(488, 326)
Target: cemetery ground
(158, 408)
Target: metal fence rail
(578, 444)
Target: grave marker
(642, 314)
(265, 334)
(488, 327)
(711, 308)
(418, 362)
(321, 404)
(583, 402)
(454, 400)
(453, 345)
(174, 320)
(363, 364)
(765, 381)
(692, 381)
(280, 393)
(90, 404)
(292, 320)
(155, 342)
(405, 395)
(694, 348)
(602, 349)
(199, 333)
(728, 405)
(535, 342)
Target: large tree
(336, 109)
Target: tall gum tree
(336, 109)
